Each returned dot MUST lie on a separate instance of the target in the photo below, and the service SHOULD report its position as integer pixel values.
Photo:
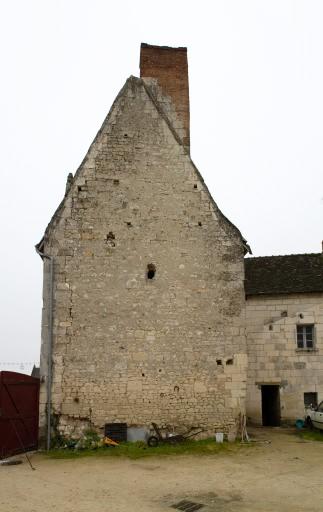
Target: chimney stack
(169, 67)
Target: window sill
(307, 350)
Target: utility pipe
(50, 339)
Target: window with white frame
(305, 336)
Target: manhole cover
(188, 506)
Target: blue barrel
(299, 424)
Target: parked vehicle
(314, 416)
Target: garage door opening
(270, 403)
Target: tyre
(152, 441)
(309, 423)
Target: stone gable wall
(273, 357)
(127, 348)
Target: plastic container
(219, 437)
(137, 434)
(299, 424)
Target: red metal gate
(19, 402)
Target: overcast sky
(256, 93)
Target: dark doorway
(270, 403)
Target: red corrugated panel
(19, 406)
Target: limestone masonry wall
(170, 349)
(273, 356)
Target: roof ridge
(284, 255)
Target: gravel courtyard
(283, 475)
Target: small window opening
(129, 224)
(229, 361)
(110, 239)
(284, 314)
(200, 223)
(125, 135)
(219, 362)
(142, 374)
(151, 271)
(270, 327)
(116, 182)
(195, 185)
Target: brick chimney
(169, 67)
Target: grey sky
(256, 82)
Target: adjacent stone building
(284, 328)
(143, 299)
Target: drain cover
(188, 506)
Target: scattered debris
(154, 440)
(242, 428)
(91, 440)
(10, 462)
(109, 442)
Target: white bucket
(219, 437)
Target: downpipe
(50, 341)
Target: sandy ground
(285, 475)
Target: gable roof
(134, 82)
(294, 273)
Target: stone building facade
(143, 298)
(284, 328)
(150, 311)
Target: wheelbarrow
(158, 438)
